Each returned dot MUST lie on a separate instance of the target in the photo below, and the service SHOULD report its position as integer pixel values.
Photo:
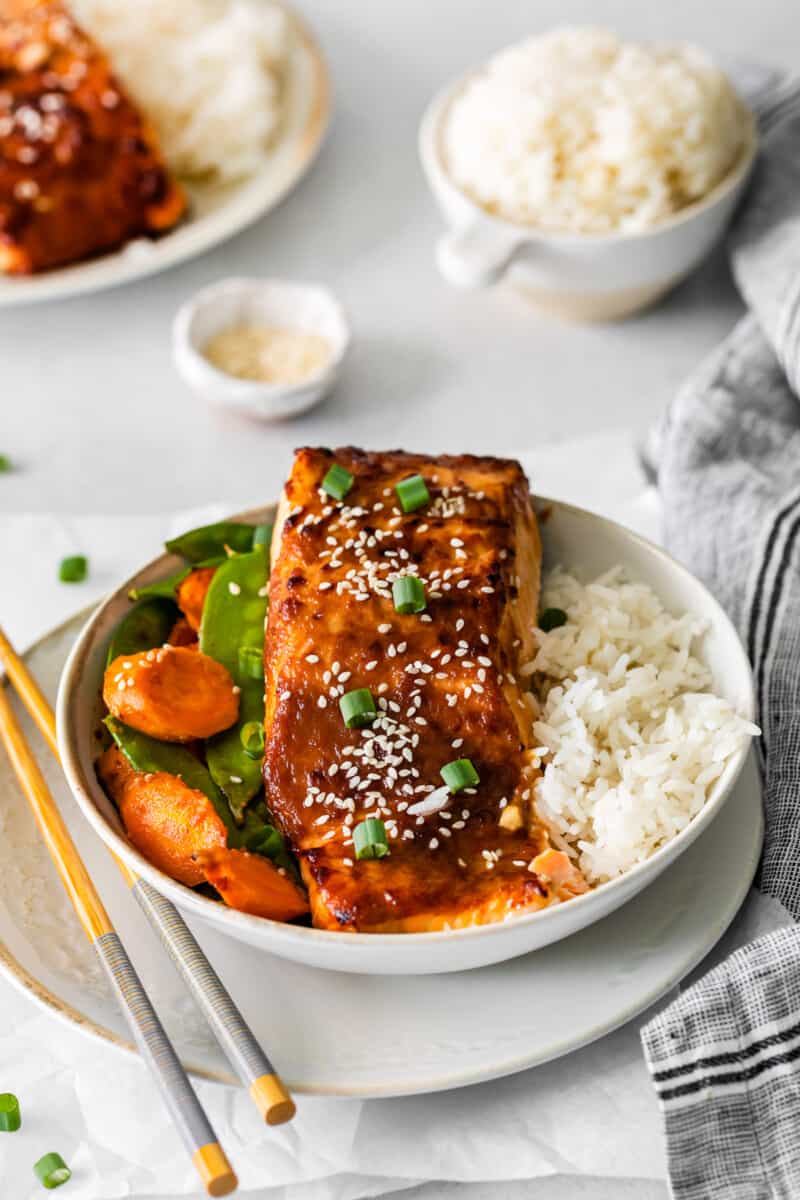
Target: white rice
(631, 736)
(577, 130)
(207, 74)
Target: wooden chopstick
(154, 1046)
(229, 1026)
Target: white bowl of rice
(594, 173)
(641, 716)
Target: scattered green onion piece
(10, 1118)
(408, 594)
(358, 708)
(73, 569)
(552, 618)
(459, 774)
(52, 1170)
(369, 839)
(5, 463)
(251, 662)
(412, 493)
(252, 739)
(337, 482)
(262, 535)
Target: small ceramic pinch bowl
(272, 303)
(585, 543)
(578, 276)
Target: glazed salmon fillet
(444, 682)
(80, 170)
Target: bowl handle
(475, 256)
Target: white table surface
(95, 418)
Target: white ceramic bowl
(274, 303)
(578, 276)
(577, 539)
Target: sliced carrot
(192, 594)
(252, 884)
(555, 867)
(168, 822)
(182, 634)
(174, 694)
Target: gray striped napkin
(725, 1056)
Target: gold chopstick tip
(217, 1174)
(272, 1099)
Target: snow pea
(145, 626)
(233, 619)
(162, 587)
(147, 754)
(211, 541)
(259, 836)
(169, 586)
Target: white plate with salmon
(370, 730)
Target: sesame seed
(236, 689)
(385, 628)
(235, 778)
(433, 843)
(322, 702)
(372, 664)
(312, 658)
(234, 588)
(285, 695)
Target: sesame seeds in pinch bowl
(589, 545)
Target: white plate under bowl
(217, 212)
(578, 539)
(322, 1028)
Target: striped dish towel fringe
(725, 1056)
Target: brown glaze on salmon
(444, 681)
(80, 169)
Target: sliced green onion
(73, 569)
(412, 493)
(358, 708)
(459, 774)
(369, 839)
(10, 1118)
(251, 662)
(5, 463)
(408, 594)
(337, 482)
(52, 1170)
(252, 739)
(552, 618)
(262, 535)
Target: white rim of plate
(63, 1011)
